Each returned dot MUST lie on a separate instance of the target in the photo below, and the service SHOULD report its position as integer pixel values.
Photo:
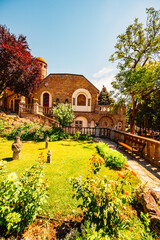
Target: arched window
(45, 100)
(81, 100)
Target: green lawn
(69, 159)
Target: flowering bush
(64, 114)
(21, 198)
(113, 159)
(103, 199)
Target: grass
(69, 159)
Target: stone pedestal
(47, 140)
(16, 148)
(49, 156)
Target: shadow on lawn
(9, 159)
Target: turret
(43, 67)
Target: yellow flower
(2, 163)
(12, 176)
(40, 180)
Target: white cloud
(104, 77)
(103, 72)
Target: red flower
(126, 164)
(101, 160)
(134, 173)
(127, 193)
(120, 174)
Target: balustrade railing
(94, 132)
(151, 151)
(35, 108)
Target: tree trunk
(133, 115)
(132, 123)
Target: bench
(134, 147)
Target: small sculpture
(16, 148)
(47, 140)
(49, 156)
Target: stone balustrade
(151, 151)
(35, 109)
(101, 109)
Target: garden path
(146, 172)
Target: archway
(106, 122)
(46, 99)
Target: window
(66, 101)
(78, 124)
(45, 100)
(81, 100)
(73, 101)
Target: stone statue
(16, 148)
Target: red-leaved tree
(19, 70)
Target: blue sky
(74, 36)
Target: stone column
(97, 131)
(16, 148)
(35, 108)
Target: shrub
(78, 136)
(102, 200)
(64, 114)
(87, 231)
(36, 132)
(113, 159)
(21, 198)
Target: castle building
(73, 89)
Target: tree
(149, 112)
(104, 97)
(64, 114)
(137, 51)
(19, 70)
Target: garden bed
(70, 158)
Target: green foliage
(137, 51)
(36, 132)
(113, 159)
(102, 200)
(149, 112)
(21, 199)
(104, 97)
(137, 230)
(64, 114)
(78, 136)
(87, 231)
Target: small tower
(43, 67)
